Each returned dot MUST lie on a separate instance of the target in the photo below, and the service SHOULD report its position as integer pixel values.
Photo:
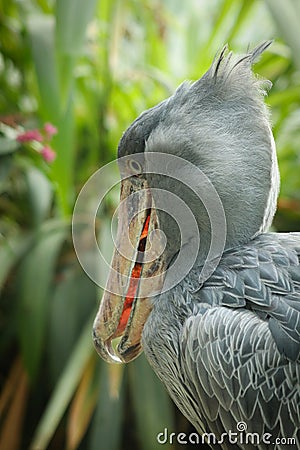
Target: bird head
(209, 142)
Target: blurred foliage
(90, 68)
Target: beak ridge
(136, 275)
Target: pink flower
(42, 137)
(50, 130)
(30, 135)
(48, 154)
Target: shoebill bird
(226, 348)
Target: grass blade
(34, 279)
(11, 250)
(40, 194)
(154, 412)
(71, 23)
(41, 33)
(287, 17)
(11, 429)
(107, 424)
(64, 389)
(72, 20)
(83, 405)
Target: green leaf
(63, 166)
(83, 405)
(224, 9)
(152, 404)
(245, 8)
(72, 19)
(39, 193)
(71, 23)
(12, 249)
(41, 32)
(106, 428)
(74, 297)
(287, 17)
(34, 280)
(64, 389)
(42, 37)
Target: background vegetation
(89, 68)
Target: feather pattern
(233, 363)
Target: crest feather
(228, 67)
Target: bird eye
(134, 166)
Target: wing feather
(230, 351)
(261, 389)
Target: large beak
(136, 275)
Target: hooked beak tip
(111, 354)
(105, 349)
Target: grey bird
(227, 345)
